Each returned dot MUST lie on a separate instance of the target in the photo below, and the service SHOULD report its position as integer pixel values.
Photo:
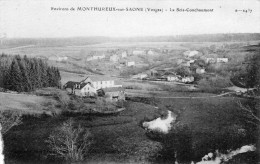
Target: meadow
(120, 138)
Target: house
(190, 53)
(222, 60)
(114, 58)
(173, 78)
(101, 82)
(138, 52)
(210, 60)
(140, 76)
(89, 86)
(80, 88)
(96, 57)
(150, 52)
(124, 54)
(200, 70)
(113, 93)
(130, 63)
(187, 79)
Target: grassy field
(24, 103)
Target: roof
(113, 89)
(71, 84)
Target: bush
(69, 142)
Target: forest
(23, 74)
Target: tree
(251, 112)
(69, 142)
(15, 77)
(9, 119)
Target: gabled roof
(72, 84)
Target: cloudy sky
(34, 18)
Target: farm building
(113, 93)
(114, 58)
(190, 53)
(89, 86)
(101, 82)
(80, 88)
(200, 70)
(222, 60)
(130, 63)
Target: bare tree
(251, 113)
(69, 142)
(9, 119)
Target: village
(186, 68)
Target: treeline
(23, 74)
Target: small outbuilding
(114, 93)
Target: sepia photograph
(129, 82)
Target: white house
(130, 63)
(173, 78)
(138, 52)
(200, 70)
(80, 88)
(210, 60)
(222, 60)
(89, 86)
(114, 58)
(150, 52)
(101, 82)
(187, 79)
(190, 53)
(124, 54)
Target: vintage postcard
(129, 81)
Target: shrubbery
(214, 84)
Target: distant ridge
(72, 41)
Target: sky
(34, 18)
